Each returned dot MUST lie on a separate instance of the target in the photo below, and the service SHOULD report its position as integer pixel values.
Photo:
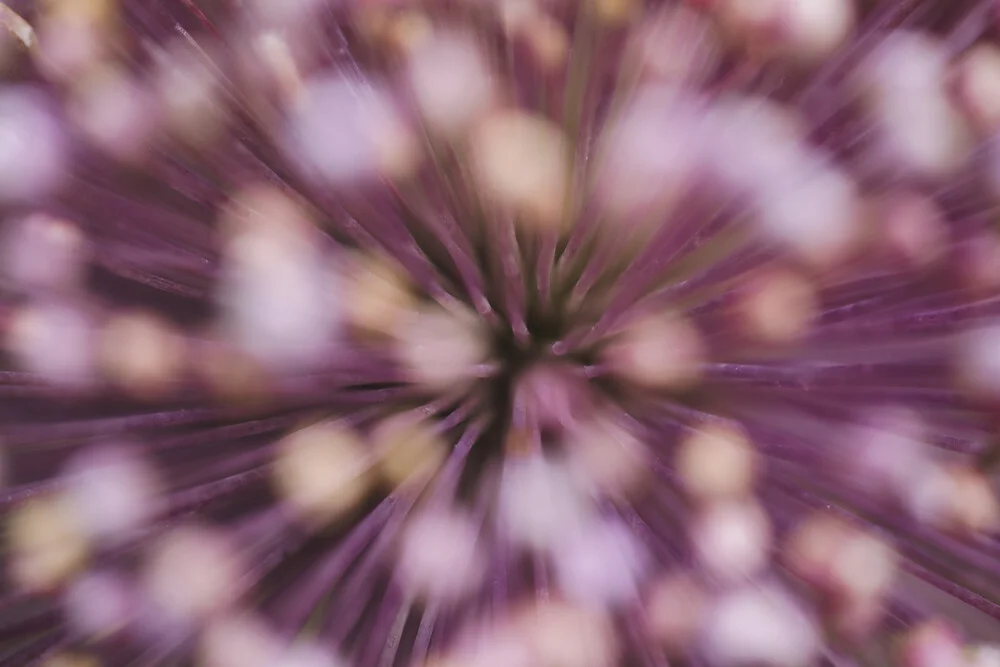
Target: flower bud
(408, 449)
(112, 490)
(33, 145)
(440, 558)
(193, 574)
(369, 139)
(99, 604)
(142, 354)
(563, 635)
(451, 83)
(976, 78)
(717, 462)
(238, 640)
(55, 341)
(441, 349)
(378, 296)
(760, 624)
(662, 351)
(732, 539)
(609, 457)
(43, 252)
(903, 84)
(322, 472)
(521, 162)
(777, 307)
(540, 503)
(602, 565)
(931, 644)
(675, 612)
(47, 545)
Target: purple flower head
(526, 333)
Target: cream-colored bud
(661, 351)
(559, 634)
(777, 307)
(408, 449)
(522, 162)
(142, 354)
(193, 573)
(322, 472)
(609, 457)
(47, 545)
(717, 461)
(238, 640)
(378, 295)
(812, 31)
(190, 94)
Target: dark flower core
(533, 333)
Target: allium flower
(514, 333)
